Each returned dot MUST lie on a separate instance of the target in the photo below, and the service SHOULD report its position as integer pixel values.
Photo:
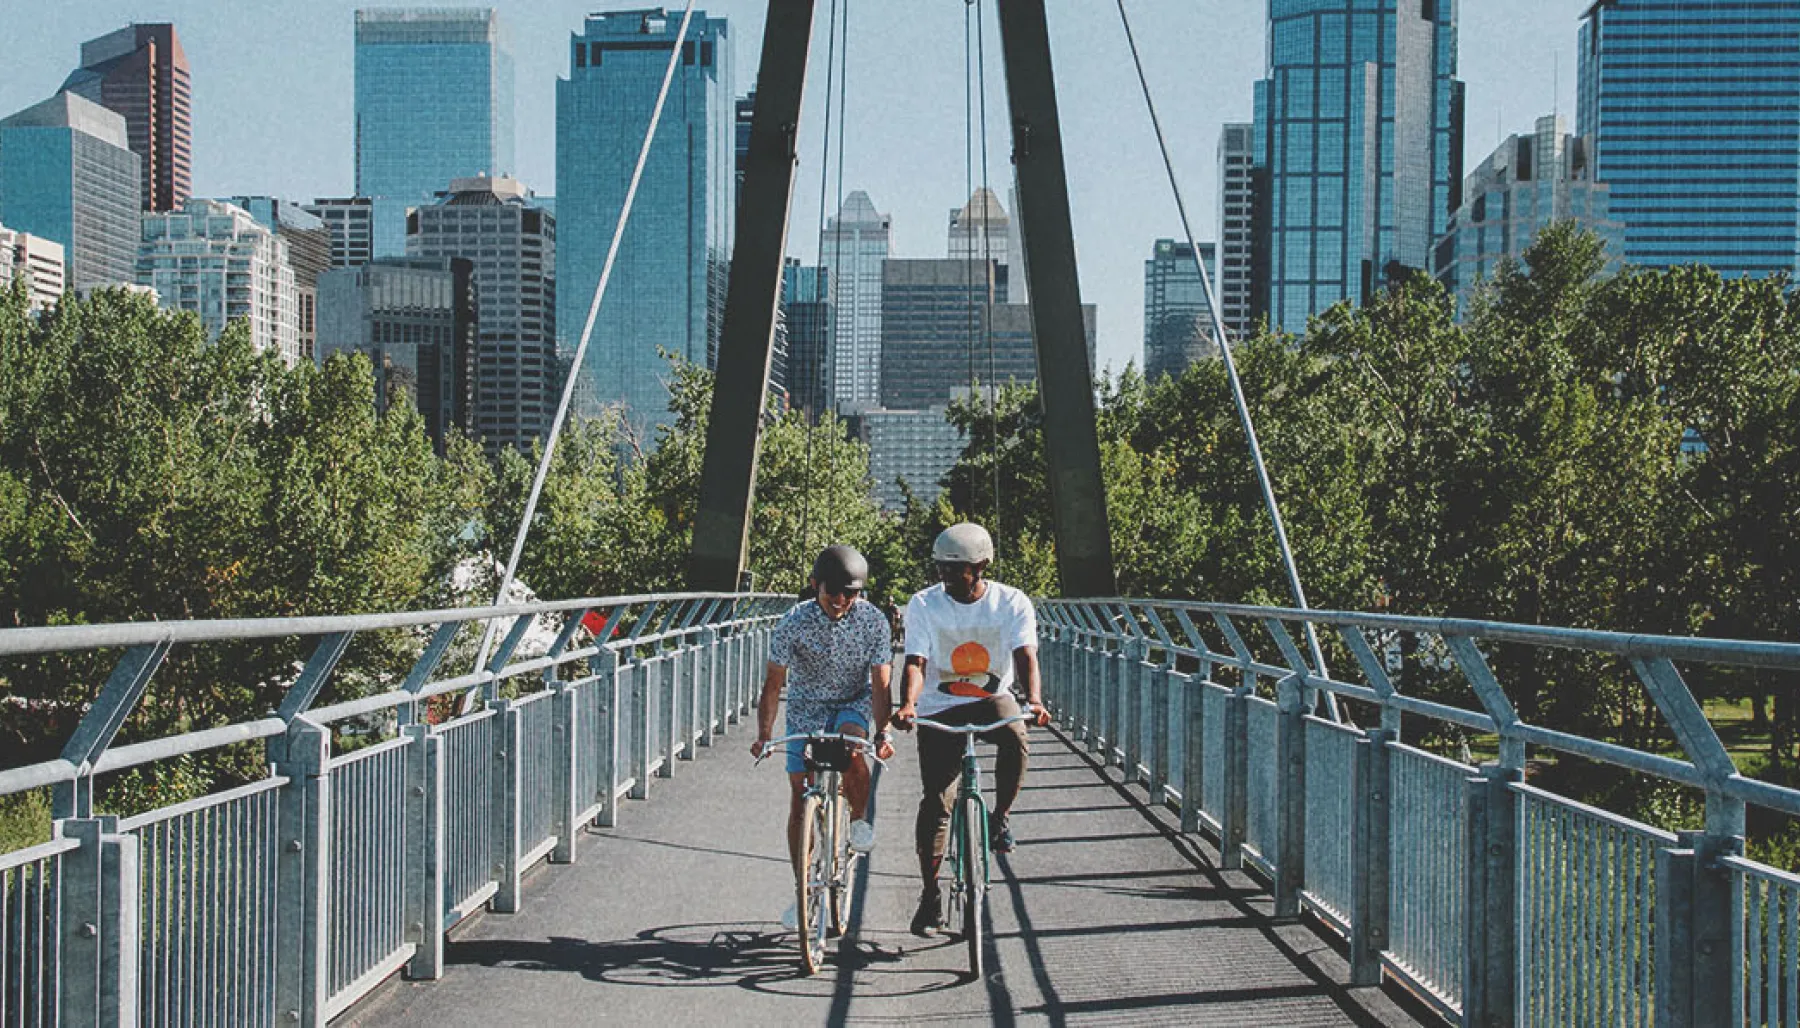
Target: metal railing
(286, 900)
(1495, 901)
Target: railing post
(1490, 913)
(640, 728)
(1699, 932)
(1370, 857)
(302, 887)
(99, 925)
(1132, 666)
(1095, 678)
(424, 851)
(1159, 676)
(688, 667)
(1290, 795)
(1235, 825)
(1193, 754)
(709, 678)
(668, 712)
(565, 729)
(607, 681)
(509, 806)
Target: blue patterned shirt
(828, 661)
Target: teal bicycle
(967, 854)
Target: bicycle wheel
(812, 865)
(843, 862)
(972, 841)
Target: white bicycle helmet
(964, 543)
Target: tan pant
(940, 771)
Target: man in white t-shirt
(968, 641)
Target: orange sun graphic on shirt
(968, 661)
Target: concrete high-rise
(1691, 105)
(496, 224)
(667, 290)
(416, 319)
(1525, 185)
(213, 259)
(309, 254)
(1237, 270)
(67, 174)
(350, 221)
(434, 101)
(1178, 324)
(38, 261)
(141, 72)
(852, 248)
(1359, 135)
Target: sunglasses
(848, 592)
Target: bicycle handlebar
(1030, 714)
(856, 740)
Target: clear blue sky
(273, 98)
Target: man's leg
(796, 821)
(855, 777)
(1013, 743)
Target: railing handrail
(25, 641)
(1742, 652)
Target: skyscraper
(213, 259)
(496, 224)
(1525, 185)
(667, 289)
(309, 254)
(806, 310)
(981, 230)
(434, 101)
(415, 317)
(350, 220)
(852, 248)
(1178, 325)
(1236, 274)
(141, 72)
(1359, 133)
(1691, 106)
(68, 174)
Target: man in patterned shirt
(832, 652)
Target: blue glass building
(67, 173)
(667, 289)
(434, 101)
(1694, 109)
(1358, 145)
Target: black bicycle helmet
(841, 567)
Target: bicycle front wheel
(843, 860)
(812, 870)
(972, 841)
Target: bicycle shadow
(748, 956)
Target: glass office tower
(667, 290)
(852, 248)
(1694, 109)
(1178, 325)
(1359, 133)
(68, 174)
(434, 101)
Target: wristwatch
(884, 736)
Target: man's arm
(912, 680)
(766, 707)
(1025, 669)
(881, 677)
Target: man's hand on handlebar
(1040, 714)
(759, 746)
(903, 717)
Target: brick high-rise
(141, 72)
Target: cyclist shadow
(740, 955)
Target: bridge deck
(1104, 915)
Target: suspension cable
(587, 330)
(988, 262)
(838, 251)
(1237, 387)
(806, 546)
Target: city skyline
(256, 134)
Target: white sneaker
(790, 918)
(862, 836)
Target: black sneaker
(1000, 837)
(929, 919)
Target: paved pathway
(1103, 915)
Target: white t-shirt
(967, 647)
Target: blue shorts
(835, 721)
